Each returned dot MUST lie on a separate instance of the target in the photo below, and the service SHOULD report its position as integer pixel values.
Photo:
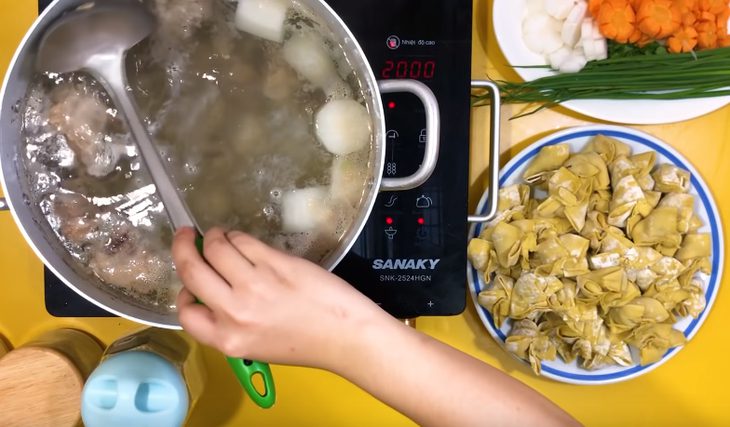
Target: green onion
(670, 76)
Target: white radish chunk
(559, 9)
(551, 42)
(262, 18)
(535, 6)
(572, 30)
(570, 33)
(348, 176)
(589, 50)
(558, 57)
(586, 30)
(307, 54)
(573, 63)
(601, 49)
(541, 33)
(343, 126)
(305, 209)
(596, 30)
(533, 41)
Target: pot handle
(433, 132)
(494, 136)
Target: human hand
(263, 304)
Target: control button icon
(422, 233)
(391, 232)
(393, 42)
(430, 304)
(392, 134)
(391, 202)
(423, 202)
(422, 136)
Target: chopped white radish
(541, 33)
(348, 176)
(558, 57)
(590, 50)
(535, 6)
(586, 29)
(533, 41)
(601, 49)
(551, 42)
(571, 31)
(343, 126)
(305, 209)
(559, 9)
(307, 54)
(262, 18)
(573, 63)
(595, 49)
(540, 23)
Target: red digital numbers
(409, 69)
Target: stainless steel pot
(50, 250)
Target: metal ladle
(95, 38)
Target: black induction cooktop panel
(411, 257)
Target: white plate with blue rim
(705, 208)
(507, 16)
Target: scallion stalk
(700, 74)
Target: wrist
(366, 335)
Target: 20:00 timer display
(408, 69)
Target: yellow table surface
(690, 389)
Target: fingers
(256, 251)
(197, 276)
(225, 258)
(198, 321)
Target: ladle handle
(110, 72)
(246, 370)
(494, 137)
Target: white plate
(705, 208)
(507, 18)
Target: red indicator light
(389, 220)
(391, 105)
(421, 221)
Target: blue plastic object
(135, 388)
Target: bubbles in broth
(234, 116)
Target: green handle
(246, 369)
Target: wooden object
(41, 382)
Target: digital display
(417, 69)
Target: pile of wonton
(599, 251)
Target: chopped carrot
(706, 16)
(712, 6)
(684, 6)
(683, 40)
(724, 41)
(637, 36)
(721, 21)
(635, 4)
(658, 18)
(689, 19)
(593, 7)
(616, 20)
(706, 35)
